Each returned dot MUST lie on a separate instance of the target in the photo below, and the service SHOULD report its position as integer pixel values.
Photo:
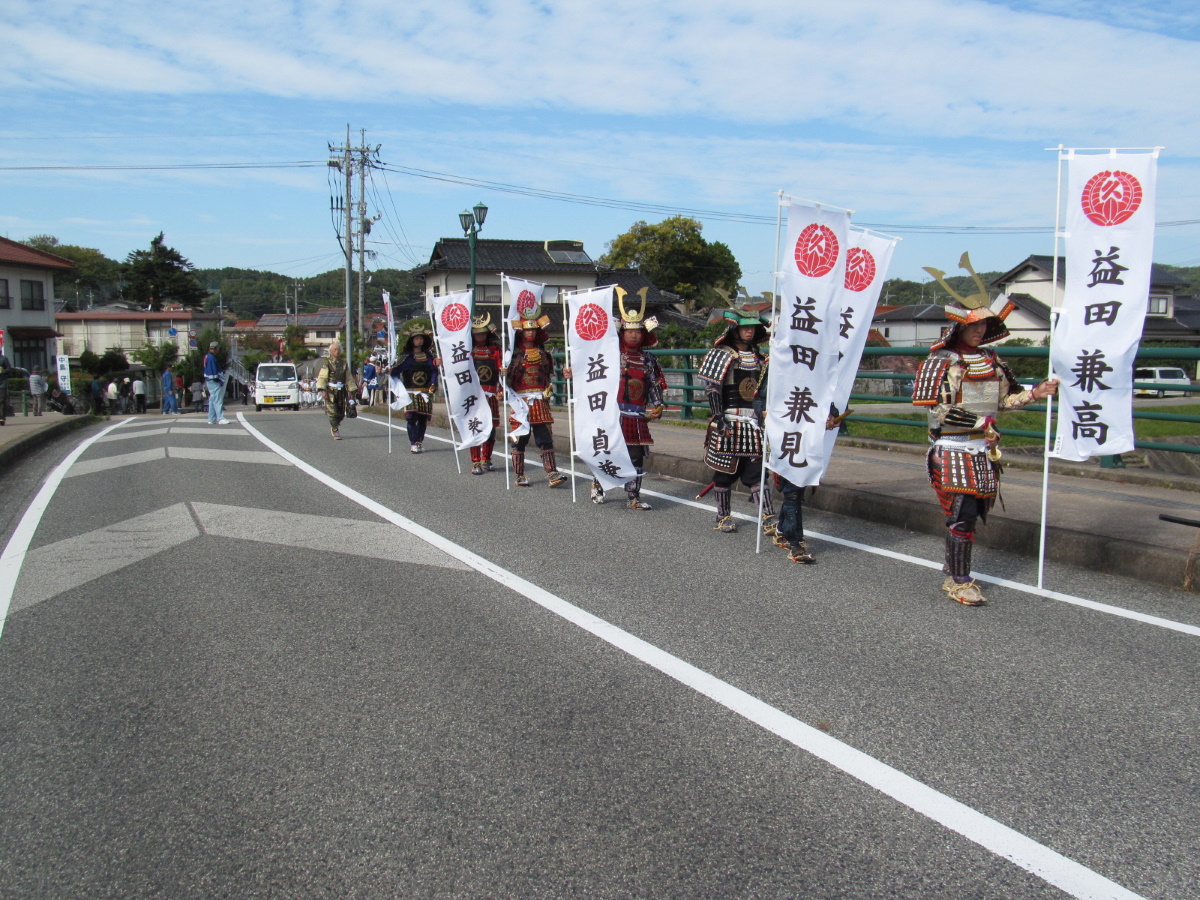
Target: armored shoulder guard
(927, 390)
(715, 364)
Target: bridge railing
(686, 401)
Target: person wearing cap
(640, 395)
(214, 379)
(336, 383)
(417, 369)
(530, 375)
(487, 358)
(734, 375)
(964, 386)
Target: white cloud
(942, 67)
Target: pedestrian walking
(170, 402)
(336, 382)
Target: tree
(95, 274)
(156, 357)
(293, 344)
(675, 257)
(161, 275)
(112, 360)
(89, 362)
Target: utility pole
(356, 215)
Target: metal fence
(685, 395)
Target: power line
(298, 164)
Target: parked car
(276, 384)
(1160, 375)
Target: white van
(1160, 375)
(276, 384)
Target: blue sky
(913, 113)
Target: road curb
(25, 444)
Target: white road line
(14, 552)
(130, 435)
(117, 461)
(213, 454)
(1094, 605)
(1049, 865)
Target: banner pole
(505, 360)
(762, 476)
(1054, 305)
(437, 347)
(562, 299)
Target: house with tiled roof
(918, 325)
(320, 327)
(562, 266)
(115, 328)
(1170, 314)
(27, 303)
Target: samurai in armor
(640, 395)
(417, 369)
(734, 376)
(530, 375)
(488, 360)
(335, 381)
(964, 387)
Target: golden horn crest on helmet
(977, 300)
(628, 317)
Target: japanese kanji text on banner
(1109, 249)
(867, 260)
(595, 360)
(464, 394)
(804, 349)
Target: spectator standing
(139, 395)
(170, 401)
(37, 391)
(196, 389)
(214, 380)
(112, 394)
(96, 393)
(4, 367)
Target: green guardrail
(691, 408)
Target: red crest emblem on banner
(592, 322)
(455, 317)
(816, 251)
(1110, 198)
(860, 269)
(526, 303)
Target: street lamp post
(472, 223)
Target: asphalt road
(223, 676)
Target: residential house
(560, 265)
(27, 303)
(320, 327)
(918, 325)
(113, 328)
(1170, 315)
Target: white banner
(391, 328)
(867, 260)
(594, 354)
(1110, 249)
(523, 297)
(464, 394)
(804, 348)
(64, 374)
